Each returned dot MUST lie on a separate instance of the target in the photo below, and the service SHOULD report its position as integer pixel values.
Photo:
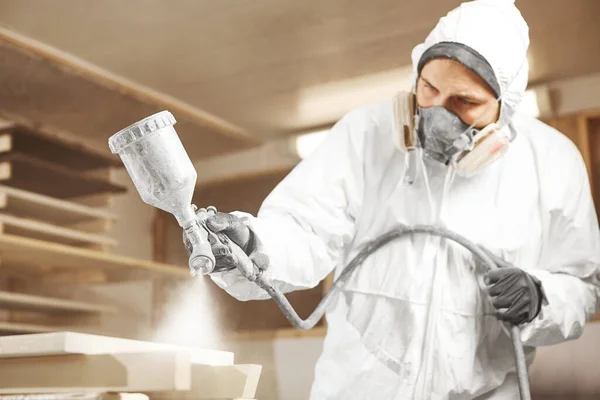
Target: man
(413, 321)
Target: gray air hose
(365, 252)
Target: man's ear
(404, 108)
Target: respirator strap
(404, 120)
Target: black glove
(228, 227)
(516, 295)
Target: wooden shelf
(27, 302)
(50, 148)
(44, 231)
(16, 251)
(14, 328)
(73, 97)
(22, 203)
(28, 173)
(283, 333)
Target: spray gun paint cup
(164, 177)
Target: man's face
(448, 83)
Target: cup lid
(136, 131)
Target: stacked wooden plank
(46, 184)
(55, 193)
(48, 305)
(75, 396)
(68, 363)
(43, 180)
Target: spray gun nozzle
(201, 265)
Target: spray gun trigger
(221, 237)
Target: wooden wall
(584, 130)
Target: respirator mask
(439, 134)
(444, 137)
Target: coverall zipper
(425, 375)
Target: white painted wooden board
(124, 372)
(75, 396)
(64, 343)
(218, 382)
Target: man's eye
(430, 88)
(466, 102)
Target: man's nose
(445, 102)
(440, 101)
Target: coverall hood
(497, 31)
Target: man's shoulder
(368, 123)
(559, 163)
(373, 114)
(547, 142)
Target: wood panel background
(584, 130)
(593, 128)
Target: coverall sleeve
(306, 222)
(570, 256)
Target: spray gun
(165, 178)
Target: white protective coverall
(412, 322)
